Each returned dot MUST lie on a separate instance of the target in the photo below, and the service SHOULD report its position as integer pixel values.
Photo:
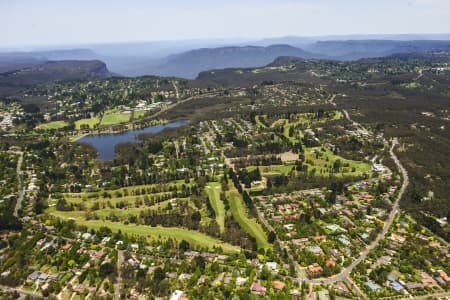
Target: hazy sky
(44, 22)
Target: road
(429, 296)
(176, 89)
(169, 107)
(301, 274)
(119, 273)
(381, 235)
(344, 275)
(331, 101)
(21, 187)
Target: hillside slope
(55, 71)
(190, 64)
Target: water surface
(104, 143)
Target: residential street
(21, 187)
(119, 273)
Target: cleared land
(239, 212)
(213, 191)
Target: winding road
(381, 235)
(18, 206)
(344, 275)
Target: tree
(271, 237)
(158, 275)
(184, 245)
(199, 262)
(196, 217)
(106, 269)
(337, 165)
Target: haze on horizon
(56, 22)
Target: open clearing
(213, 191)
(239, 212)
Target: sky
(64, 22)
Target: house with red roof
(257, 288)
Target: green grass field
(213, 191)
(239, 212)
(115, 118)
(137, 114)
(88, 198)
(193, 237)
(321, 164)
(326, 159)
(53, 125)
(91, 122)
(130, 189)
(298, 135)
(259, 121)
(273, 169)
(411, 85)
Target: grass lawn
(239, 211)
(130, 189)
(53, 125)
(137, 114)
(326, 159)
(297, 133)
(107, 211)
(259, 121)
(72, 198)
(115, 118)
(411, 85)
(191, 236)
(213, 191)
(91, 122)
(273, 169)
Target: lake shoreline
(104, 143)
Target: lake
(105, 143)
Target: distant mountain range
(357, 49)
(190, 63)
(55, 71)
(172, 59)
